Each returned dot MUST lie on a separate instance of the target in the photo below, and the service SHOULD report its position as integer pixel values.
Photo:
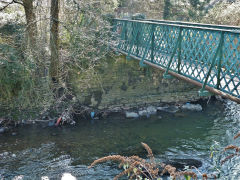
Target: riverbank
(77, 115)
(115, 85)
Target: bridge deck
(210, 56)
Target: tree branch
(17, 2)
(9, 3)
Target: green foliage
(26, 90)
(21, 92)
(11, 72)
(187, 177)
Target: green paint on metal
(141, 63)
(202, 90)
(179, 51)
(220, 61)
(208, 54)
(134, 36)
(152, 44)
(178, 45)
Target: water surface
(49, 151)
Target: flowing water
(38, 151)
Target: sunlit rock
(131, 115)
(192, 107)
(143, 113)
(14, 155)
(169, 109)
(151, 110)
(2, 130)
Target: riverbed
(35, 151)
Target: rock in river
(2, 130)
(143, 113)
(148, 111)
(151, 110)
(192, 107)
(131, 115)
(168, 109)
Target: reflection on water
(38, 151)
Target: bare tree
(54, 41)
(31, 23)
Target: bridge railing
(208, 54)
(223, 27)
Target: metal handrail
(209, 55)
(195, 24)
(180, 25)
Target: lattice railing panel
(230, 78)
(210, 56)
(198, 50)
(165, 38)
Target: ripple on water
(72, 149)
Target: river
(38, 150)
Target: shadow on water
(48, 151)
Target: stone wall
(122, 83)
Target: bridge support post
(147, 48)
(177, 47)
(134, 39)
(220, 62)
(203, 91)
(152, 44)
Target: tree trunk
(54, 41)
(31, 24)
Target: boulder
(143, 113)
(14, 155)
(192, 107)
(148, 111)
(4, 154)
(131, 115)
(151, 110)
(169, 109)
(2, 130)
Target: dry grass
(227, 158)
(231, 147)
(136, 167)
(149, 151)
(237, 135)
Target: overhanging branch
(9, 3)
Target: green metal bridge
(203, 54)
